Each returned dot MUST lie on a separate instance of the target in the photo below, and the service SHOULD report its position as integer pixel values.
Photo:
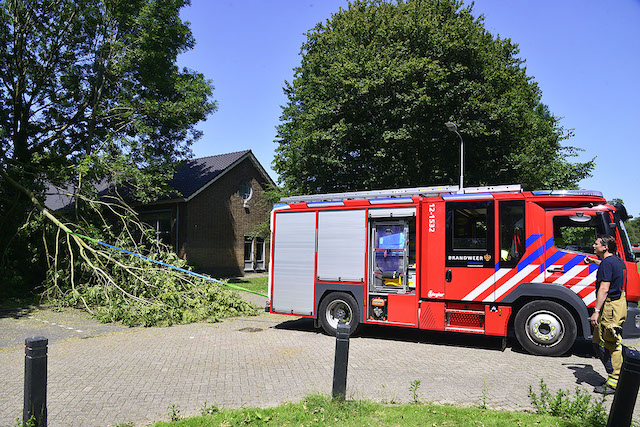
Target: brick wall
(212, 225)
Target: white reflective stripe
(539, 278)
(570, 274)
(578, 288)
(486, 284)
(589, 298)
(589, 280)
(509, 283)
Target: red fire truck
(484, 260)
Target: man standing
(610, 311)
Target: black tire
(335, 307)
(545, 328)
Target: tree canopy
(90, 92)
(82, 79)
(378, 80)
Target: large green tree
(90, 93)
(95, 78)
(377, 82)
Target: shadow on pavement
(303, 324)
(585, 374)
(432, 337)
(581, 348)
(404, 334)
(16, 313)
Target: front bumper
(631, 327)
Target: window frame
(260, 246)
(249, 264)
(469, 257)
(604, 230)
(503, 205)
(157, 216)
(245, 195)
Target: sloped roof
(190, 178)
(62, 198)
(196, 173)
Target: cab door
(574, 232)
(470, 250)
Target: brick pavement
(135, 374)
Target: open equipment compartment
(392, 263)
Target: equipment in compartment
(378, 308)
(391, 250)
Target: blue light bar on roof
(325, 203)
(279, 206)
(391, 200)
(470, 196)
(567, 193)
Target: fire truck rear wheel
(545, 328)
(338, 306)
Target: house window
(245, 191)
(161, 222)
(259, 253)
(248, 253)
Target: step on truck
(485, 260)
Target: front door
(470, 250)
(573, 234)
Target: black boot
(604, 356)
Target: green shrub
(579, 411)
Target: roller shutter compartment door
(342, 240)
(293, 262)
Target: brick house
(214, 223)
(216, 220)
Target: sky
(584, 55)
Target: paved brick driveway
(110, 374)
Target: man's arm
(595, 261)
(603, 290)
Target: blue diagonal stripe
(531, 258)
(548, 244)
(573, 262)
(592, 268)
(553, 258)
(531, 239)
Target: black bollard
(342, 359)
(35, 381)
(624, 400)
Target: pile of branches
(115, 286)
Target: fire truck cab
(484, 260)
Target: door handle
(555, 270)
(448, 276)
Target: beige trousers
(608, 336)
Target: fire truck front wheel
(338, 306)
(545, 328)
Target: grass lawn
(317, 410)
(255, 284)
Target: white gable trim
(231, 166)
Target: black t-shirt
(612, 270)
